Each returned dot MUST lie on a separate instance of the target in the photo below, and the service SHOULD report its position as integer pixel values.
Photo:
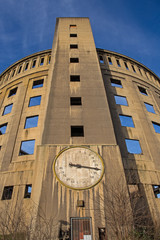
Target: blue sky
(130, 27)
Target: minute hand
(81, 166)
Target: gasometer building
(75, 120)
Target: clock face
(78, 167)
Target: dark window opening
(74, 60)
(77, 131)
(13, 73)
(27, 64)
(101, 59)
(49, 59)
(34, 63)
(133, 68)
(156, 127)
(31, 122)
(110, 61)
(7, 193)
(75, 101)
(156, 190)
(142, 90)
(126, 65)
(20, 68)
(28, 190)
(118, 63)
(140, 71)
(73, 26)
(27, 147)
(35, 101)
(75, 78)
(37, 84)
(7, 109)
(102, 233)
(42, 61)
(3, 128)
(73, 35)
(13, 92)
(116, 83)
(73, 45)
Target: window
(142, 90)
(7, 109)
(149, 107)
(77, 131)
(3, 128)
(116, 83)
(110, 61)
(27, 147)
(34, 101)
(133, 146)
(42, 61)
(101, 59)
(133, 68)
(156, 127)
(156, 190)
(126, 65)
(7, 193)
(73, 46)
(31, 122)
(34, 63)
(13, 73)
(118, 63)
(28, 190)
(75, 78)
(121, 100)
(75, 101)
(73, 35)
(126, 121)
(140, 71)
(12, 92)
(74, 60)
(37, 84)
(49, 59)
(20, 68)
(26, 67)
(73, 26)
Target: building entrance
(81, 229)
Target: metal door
(81, 229)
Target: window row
(27, 65)
(8, 191)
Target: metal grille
(81, 229)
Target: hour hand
(81, 166)
(75, 165)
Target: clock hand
(81, 166)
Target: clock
(78, 167)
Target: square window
(121, 100)
(12, 92)
(37, 84)
(7, 109)
(3, 128)
(156, 190)
(133, 146)
(7, 193)
(149, 107)
(42, 61)
(142, 90)
(73, 46)
(74, 60)
(77, 131)
(26, 66)
(126, 121)
(27, 147)
(126, 65)
(28, 190)
(110, 61)
(73, 35)
(156, 127)
(101, 59)
(116, 83)
(75, 78)
(35, 101)
(75, 101)
(31, 122)
(34, 63)
(118, 63)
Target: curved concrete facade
(77, 95)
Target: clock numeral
(61, 168)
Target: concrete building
(75, 120)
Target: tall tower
(79, 129)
